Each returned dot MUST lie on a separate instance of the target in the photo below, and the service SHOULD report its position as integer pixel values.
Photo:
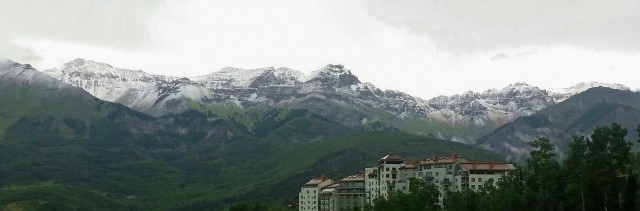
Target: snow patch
(364, 121)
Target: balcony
(446, 183)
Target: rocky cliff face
(492, 106)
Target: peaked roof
(357, 177)
(316, 181)
(391, 157)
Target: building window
(387, 169)
(479, 179)
(473, 186)
(473, 179)
(437, 174)
(387, 175)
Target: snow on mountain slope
(26, 73)
(505, 105)
(153, 94)
(563, 94)
(230, 78)
(331, 91)
(491, 106)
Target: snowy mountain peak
(520, 87)
(87, 69)
(334, 75)
(26, 73)
(564, 93)
(331, 69)
(228, 78)
(88, 66)
(581, 87)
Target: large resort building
(393, 173)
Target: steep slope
(26, 93)
(577, 115)
(57, 142)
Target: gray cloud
(462, 26)
(111, 23)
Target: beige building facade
(449, 174)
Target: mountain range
(332, 92)
(87, 131)
(62, 148)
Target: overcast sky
(425, 48)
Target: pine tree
(630, 193)
(574, 169)
(542, 179)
